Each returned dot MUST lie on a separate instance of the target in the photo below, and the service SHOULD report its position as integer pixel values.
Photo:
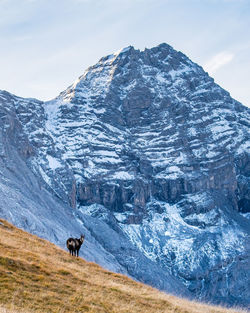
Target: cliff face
(153, 158)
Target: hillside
(37, 276)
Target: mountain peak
(150, 67)
(119, 53)
(161, 47)
(124, 50)
(149, 151)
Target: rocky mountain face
(149, 157)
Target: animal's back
(70, 243)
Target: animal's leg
(77, 252)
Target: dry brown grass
(37, 276)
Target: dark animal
(74, 245)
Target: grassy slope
(37, 276)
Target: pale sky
(45, 45)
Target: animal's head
(82, 238)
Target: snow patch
(122, 175)
(53, 162)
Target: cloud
(218, 61)
(22, 38)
